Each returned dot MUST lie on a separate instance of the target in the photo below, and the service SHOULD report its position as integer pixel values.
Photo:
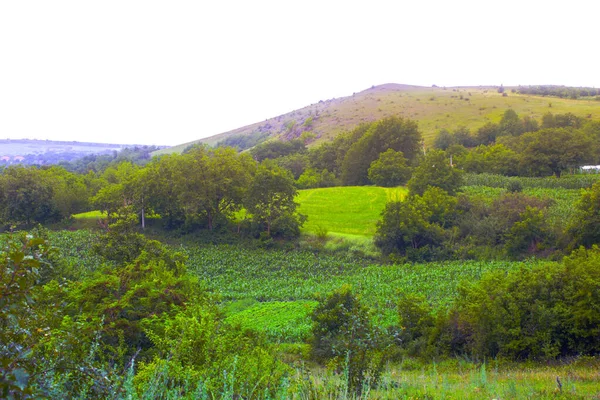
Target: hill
(433, 107)
(32, 151)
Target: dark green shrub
(514, 186)
(545, 312)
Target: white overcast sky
(168, 72)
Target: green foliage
(212, 184)
(553, 150)
(26, 197)
(23, 261)
(277, 148)
(542, 313)
(550, 182)
(529, 235)
(344, 335)
(389, 169)
(496, 159)
(414, 228)
(515, 222)
(585, 228)
(311, 179)
(416, 322)
(390, 133)
(193, 345)
(435, 170)
(270, 201)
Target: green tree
(212, 183)
(164, 183)
(26, 197)
(435, 170)
(270, 199)
(443, 140)
(389, 169)
(585, 228)
(344, 334)
(390, 133)
(551, 151)
(487, 134)
(415, 227)
(529, 235)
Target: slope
(433, 107)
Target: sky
(169, 72)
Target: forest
(195, 275)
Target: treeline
(83, 162)
(523, 146)
(437, 221)
(348, 158)
(201, 189)
(559, 91)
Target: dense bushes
(541, 313)
(66, 339)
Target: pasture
(349, 210)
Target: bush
(344, 336)
(514, 186)
(545, 312)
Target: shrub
(544, 312)
(344, 336)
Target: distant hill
(433, 107)
(31, 151)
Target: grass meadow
(346, 211)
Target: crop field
(350, 210)
(560, 212)
(280, 285)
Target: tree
(270, 199)
(164, 180)
(390, 133)
(415, 226)
(487, 134)
(443, 140)
(585, 228)
(389, 169)
(529, 235)
(551, 151)
(212, 183)
(344, 334)
(435, 170)
(26, 197)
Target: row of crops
(576, 181)
(275, 291)
(280, 288)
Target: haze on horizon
(166, 73)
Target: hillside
(434, 107)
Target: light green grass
(90, 215)
(279, 320)
(349, 210)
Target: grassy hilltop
(433, 107)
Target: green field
(350, 210)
